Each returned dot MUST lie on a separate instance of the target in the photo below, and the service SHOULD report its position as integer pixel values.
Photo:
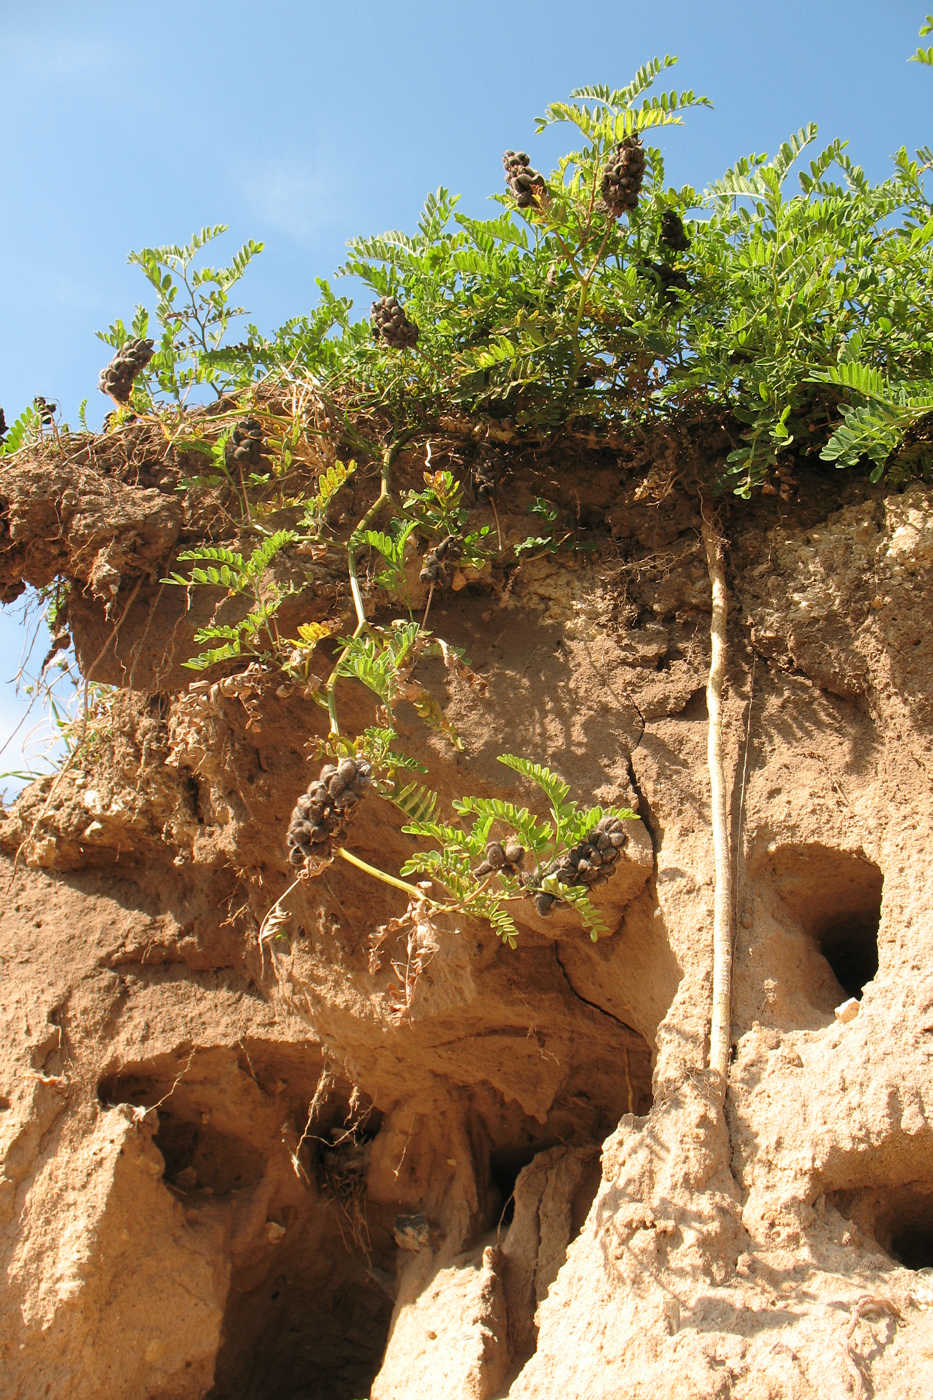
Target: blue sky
(301, 124)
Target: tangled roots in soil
(391, 325)
(116, 379)
(525, 184)
(320, 815)
(486, 473)
(621, 182)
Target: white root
(721, 1017)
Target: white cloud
(289, 194)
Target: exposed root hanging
(721, 1018)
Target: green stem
(353, 544)
(386, 879)
(581, 306)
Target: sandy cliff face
(377, 1155)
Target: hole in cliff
(899, 1219)
(552, 1196)
(505, 1166)
(595, 1094)
(850, 946)
(695, 707)
(546, 1174)
(836, 898)
(199, 1157)
(309, 1322)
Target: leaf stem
(377, 874)
(353, 544)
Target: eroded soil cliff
(366, 1153)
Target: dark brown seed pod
(667, 279)
(623, 176)
(495, 855)
(2, 425)
(433, 570)
(590, 861)
(116, 379)
(486, 474)
(450, 547)
(346, 771)
(45, 410)
(544, 902)
(320, 814)
(514, 853)
(526, 185)
(245, 446)
(673, 235)
(391, 325)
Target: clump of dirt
(274, 1137)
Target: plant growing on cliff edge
(482, 861)
(482, 864)
(193, 325)
(797, 317)
(215, 566)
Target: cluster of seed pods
(116, 379)
(667, 279)
(244, 445)
(527, 185)
(587, 863)
(673, 235)
(621, 182)
(503, 856)
(434, 568)
(391, 325)
(320, 815)
(45, 410)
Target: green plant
(191, 325)
(255, 633)
(785, 305)
(924, 55)
(570, 308)
(384, 658)
(461, 864)
(24, 431)
(878, 423)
